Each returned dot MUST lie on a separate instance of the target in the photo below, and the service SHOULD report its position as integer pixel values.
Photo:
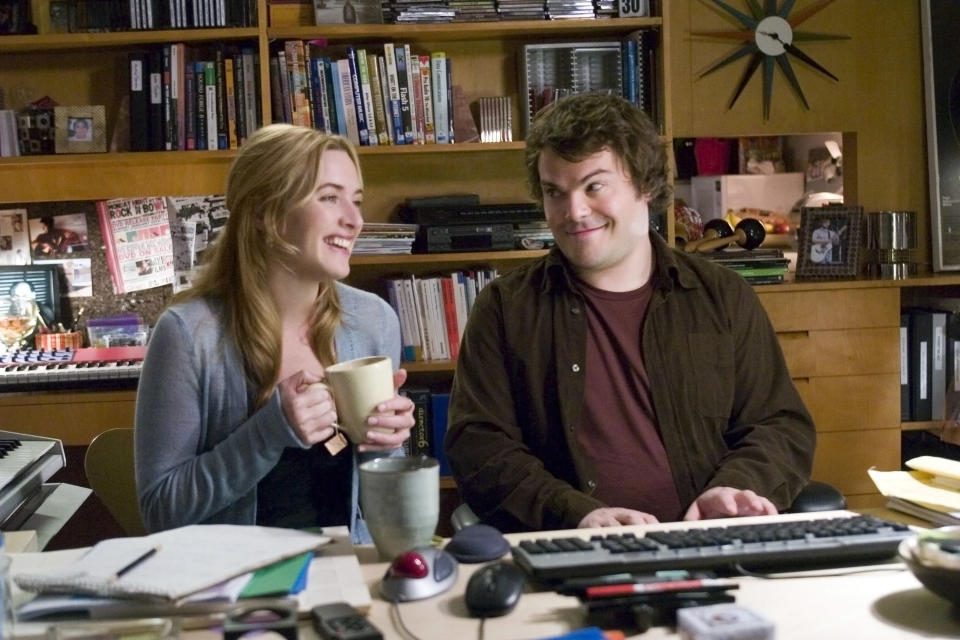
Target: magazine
(136, 235)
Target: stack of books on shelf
(385, 237)
(193, 98)
(533, 235)
(433, 311)
(929, 491)
(395, 97)
(416, 11)
(757, 266)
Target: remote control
(341, 621)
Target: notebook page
(188, 559)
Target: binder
(139, 92)
(905, 413)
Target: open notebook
(187, 560)
(334, 575)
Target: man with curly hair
(616, 380)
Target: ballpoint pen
(136, 562)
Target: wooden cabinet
(842, 349)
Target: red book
(450, 317)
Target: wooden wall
(877, 103)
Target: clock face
(771, 34)
(768, 35)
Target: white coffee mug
(358, 386)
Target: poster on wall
(14, 242)
(58, 236)
(78, 275)
(136, 236)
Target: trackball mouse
(419, 573)
(494, 590)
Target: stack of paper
(930, 491)
(329, 574)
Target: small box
(117, 331)
(723, 622)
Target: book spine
(289, 83)
(409, 303)
(905, 367)
(393, 92)
(377, 95)
(190, 89)
(438, 72)
(451, 131)
(450, 316)
(231, 99)
(241, 99)
(346, 97)
(363, 132)
(413, 89)
(249, 57)
(938, 365)
(366, 93)
(197, 118)
(404, 90)
(333, 100)
(139, 116)
(210, 84)
(303, 94)
(317, 88)
(181, 103)
(220, 75)
(421, 436)
(920, 370)
(155, 107)
(439, 406)
(429, 132)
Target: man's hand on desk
(727, 502)
(614, 517)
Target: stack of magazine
(385, 237)
(757, 266)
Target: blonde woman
(228, 426)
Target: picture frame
(828, 242)
(80, 129)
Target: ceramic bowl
(938, 573)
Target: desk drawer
(833, 309)
(843, 457)
(852, 403)
(842, 352)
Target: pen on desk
(614, 590)
(136, 563)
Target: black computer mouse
(419, 573)
(494, 590)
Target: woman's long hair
(275, 172)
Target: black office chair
(816, 496)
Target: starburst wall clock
(769, 37)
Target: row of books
(397, 97)
(929, 363)
(426, 11)
(81, 16)
(757, 266)
(184, 99)
(429, 426)
(433, 311)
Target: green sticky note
(277, 579)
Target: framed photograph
(828, 242)
(80, 129)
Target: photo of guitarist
(823, 240)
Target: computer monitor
(45, 281)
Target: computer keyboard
(777, 545)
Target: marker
(136, 563)
(614, 590)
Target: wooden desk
(888, 604)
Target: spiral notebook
(171, 565)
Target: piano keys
(100, 368)
(26, 462)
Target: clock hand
(789, 48)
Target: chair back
(109, 468)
